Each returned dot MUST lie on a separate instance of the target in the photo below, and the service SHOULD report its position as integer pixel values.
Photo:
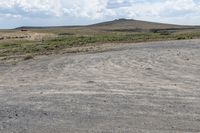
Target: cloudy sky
(14, 13)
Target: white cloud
(173, 11)
(8, 15)
(162, 11)
(22, 7)
(93, 9)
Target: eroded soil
(146, 87)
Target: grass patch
(68, 41)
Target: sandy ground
(26, 35)
(145, 87)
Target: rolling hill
(121, 25)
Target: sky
(15, 13)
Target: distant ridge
(134, 24)
(120, 24)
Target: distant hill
(131, 25)
(122, 25)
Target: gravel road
(145, 87)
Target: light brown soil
(145, 87)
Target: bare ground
(145, 87)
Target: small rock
(148, 69)
(45, 113)
(90, 82)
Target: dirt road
(145, 87)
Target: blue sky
(14, 13)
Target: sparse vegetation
(53, 40)
(165, 32)
(63, 42)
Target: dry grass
(34, 41)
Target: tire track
(145, 87)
